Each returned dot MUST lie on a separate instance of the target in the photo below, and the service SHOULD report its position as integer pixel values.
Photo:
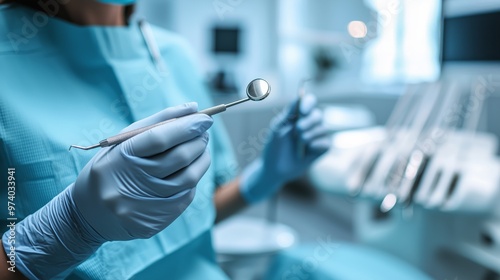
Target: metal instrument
(257, 90)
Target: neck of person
(83, 12)
(90, 12)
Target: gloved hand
(281, 160)
(132, 190)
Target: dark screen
(472, 37)
(226, 40)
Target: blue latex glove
(281, 161)
(132, 190)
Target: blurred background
(391, 77)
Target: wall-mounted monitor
(226, 40)
(472, 37)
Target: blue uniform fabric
(64, 84)
(339, 261)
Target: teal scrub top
(64, 84)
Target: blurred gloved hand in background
(281, 160)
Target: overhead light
(357, 29)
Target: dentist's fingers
(161, 138)
(188, 176)
(309, 121)
(176, 158)
(166, 114)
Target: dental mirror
(257, 90)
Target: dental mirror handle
(214, 110)
(257, 90)
(117, 139)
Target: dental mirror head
(258, 89)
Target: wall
(194, 19)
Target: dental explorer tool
(301, 148)
(256, 90)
